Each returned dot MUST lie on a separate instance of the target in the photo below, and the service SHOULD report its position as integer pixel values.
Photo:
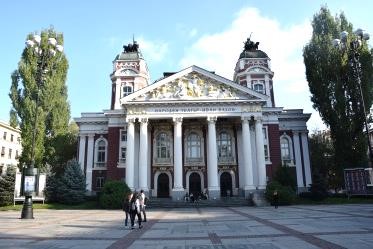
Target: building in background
(193, 131)
(10, 145)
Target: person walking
(275, 198)
(127, 207)
(142, 198)
(135, 211)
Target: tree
(69, 187)
(334, 88)
(40, 82)
(322, 159)
(62, 148)
(7, 186)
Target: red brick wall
(274, 149)
(113, 172)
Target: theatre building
(193, 130)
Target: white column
(90, 154)
(130, 156)
(82, 140)
(248, 165)
(298, 160)
(143, 155)
(178, 156)
(306, 159)
(117, 94)
(260, 158)
(212, 160)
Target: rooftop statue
(250, 45)
(131, 47)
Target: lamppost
(352, 48)
(43, 52)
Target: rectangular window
(10, 154)
(123, 151)
(123, 135)
(17, 156)
(100, 180)
(11, 138)
(266, 146)
(2, 151)
(4, 135)
(101, 157)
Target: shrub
(286, 195)
(286, 176)
(7, 187)
(112, 194)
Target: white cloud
(153, 50)
(219, 52)
(193, 33)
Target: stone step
(223, 202)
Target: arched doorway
(163, 189)
(225, 184)
(195, 184)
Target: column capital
(177, 119)
(245, 119)
(143, 120)
(258, 119)
(212, 119)
(91, 135)
(130, 120)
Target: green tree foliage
(7, 186)
(69, 187)
(41, 78)
(322, 159)
(113, 193)
(62, 148)
(334, 88)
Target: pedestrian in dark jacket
(126, 207)
(275, 198)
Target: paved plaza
(293, 227)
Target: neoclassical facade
(193, 130)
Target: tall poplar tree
(335, 90)
(49, 86)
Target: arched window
(101, 154)
(163, 146)
(259, 86)
(285, 149)
(193, 146)
(224, 147)
(127, 90)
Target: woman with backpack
(135, 210)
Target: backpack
(133, 206)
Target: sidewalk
(294, 227)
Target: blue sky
(172, 36)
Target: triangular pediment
(193, 84)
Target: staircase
(223, 202)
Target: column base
(178, 194)
(214, 193)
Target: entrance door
(195, 184)
(163, 188)
(225, 184)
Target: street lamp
(354, 62)
(43, 52)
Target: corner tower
(130, 74)
(253, 70)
